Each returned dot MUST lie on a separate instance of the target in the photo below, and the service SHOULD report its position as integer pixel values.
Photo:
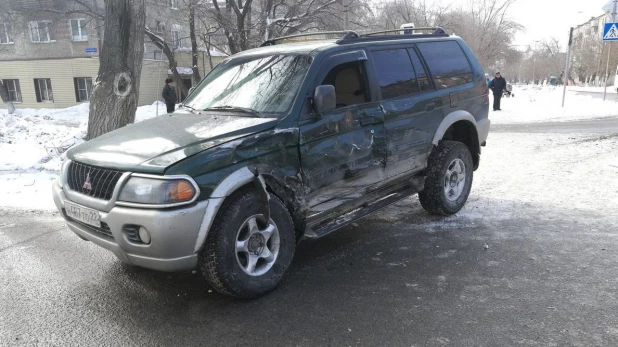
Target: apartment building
(589, 50)
(49, 50)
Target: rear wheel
(245, 255)
(449, 179)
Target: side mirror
(324, 99)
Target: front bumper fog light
(144, 236)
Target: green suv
(280, 143)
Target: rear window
(447, 63)
(395, 73)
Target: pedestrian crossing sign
(610, 32)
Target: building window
(5, 34)
(176, 40)
(43, 89)
(42, 31)
(174, 4)
(83, 88)
(12, 87)
(157, 54)
(160, 27)
(78, 30)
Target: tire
(227, 266)
(445, 160)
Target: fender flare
(229, 185)
(451, 119)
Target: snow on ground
(33, 143)
(533, 104)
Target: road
(530, 261)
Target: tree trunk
(194, 52)
(116, 91)
(4, 95)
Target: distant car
(281, 143)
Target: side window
(350, 84)
(421, 73)
(447, 62)
(395, 73)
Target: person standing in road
(169, 95)
(497, 86)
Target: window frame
(87, 88)
(48, 90)
(7, 34)
(16, 89)
(50, 31)
(82, 29)
(176, 43)
(173, 4)
(160, 26)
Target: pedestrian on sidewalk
(169, 95)
(497, 86)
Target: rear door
(343, 151)
(412, 107)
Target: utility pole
(566, 69)
(609, 50)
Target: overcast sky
(547, 18)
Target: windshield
(267, 85)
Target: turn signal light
(181, 191)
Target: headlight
(158, 191)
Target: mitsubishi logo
(87, 184)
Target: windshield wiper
(189, 107)
(235, 109)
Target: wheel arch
(245, 178)
(460, 126)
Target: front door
(343, 151)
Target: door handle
(430, 106)
(366, 121)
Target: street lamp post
(609, 50)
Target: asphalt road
(538, 275)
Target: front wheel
(245, 255)
(449, 179)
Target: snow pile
(37, 139)
(533, 104)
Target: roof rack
(347, 35)
(437, 31)
(350, 36)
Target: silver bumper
(173, 234)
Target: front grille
(101, 181)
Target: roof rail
(347, 35)
(438, 31)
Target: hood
(152, 145)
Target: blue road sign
(610, 32)
(91, 50)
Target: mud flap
(260, 185)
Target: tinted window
(447, 63)
(421, 73)
(395, 73)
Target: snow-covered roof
(182, 70)
(212, 51)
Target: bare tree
(115, 94)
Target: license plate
(83, 214)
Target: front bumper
(173, 233)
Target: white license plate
(83, 214)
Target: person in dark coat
(169, 95)
(497, 86)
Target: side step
(366, 209)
